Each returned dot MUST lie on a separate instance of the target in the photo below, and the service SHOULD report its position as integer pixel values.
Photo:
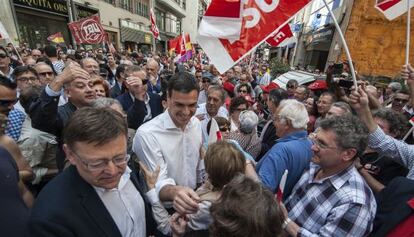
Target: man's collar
(337, 180)
(122, 182)
(293, 136)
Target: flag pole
(407, 49)
(17, 52)
(341, 35)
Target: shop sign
(83, 12)
(148, 39)
(54, 6)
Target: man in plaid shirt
(331, 198)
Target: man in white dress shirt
(173, 141)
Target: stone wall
(376, 44)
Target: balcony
(172, 7)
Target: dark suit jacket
(115, 90)
(392, 206)
(137, 110)
(269, 139)
(68, 207)
(48, 117)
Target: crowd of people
(99, 143)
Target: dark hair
(245, 208)
(50, 51)
(220, 122)
(277, 95)
(404, 91)
(349, 130)
(94, 126)
(29, 95)
(48, 62)
(6, 82)
(120, 69)
(397, 121)
(23, 69)
(5, 50)
(332, 95)
(219, 89)
(182, 82)
(249, 89)
(223, 162)
(236, 102)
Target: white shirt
(222, 112)
(266, 79)
(177, 152)
(126, 206)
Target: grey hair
(218, 88)
(295, 111)
(105, 102)
(349, 130)
(248, 121)
(395, 86)
(344, 106)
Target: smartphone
(345, 83)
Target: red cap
(268, 88)
(229, 87)
(318, 85)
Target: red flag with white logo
(88, 30)
(393, 8)
(282, 35)
(154, 28)
(259, 20)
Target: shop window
(125, 4)
(110, 2)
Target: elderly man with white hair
(292, 150)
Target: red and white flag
(88, 30)
(223, 19)
(3, 32)
(281, 188)
(259, 20)
(393, 8)
(154, 28)
(281, 36)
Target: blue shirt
(15, 123)
(293, 153)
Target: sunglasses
(242, 91)
(8, 102)
(224, 129)
(290, 86)
(205, 81)
(400, 100)
(3, 56)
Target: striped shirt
(398, 150)
(339, 205)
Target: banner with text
(260, 20)
(88, 30)
(393, 8)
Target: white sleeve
(148, 150)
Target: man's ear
(349, 154)
(69, 154)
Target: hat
(229, 87)
(318, 85)
(268, 88)
(208, 76)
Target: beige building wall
(6, 17)
(191, 18)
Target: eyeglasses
(8, 102)
(242, 91)
(102, 164)
(205, 81)
(3, 56)
(26, 79)
(314, 138)
(224, 129)
(46, 74)
(400, 100)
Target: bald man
(154, 84)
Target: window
(160, 18)
(181, 3)
(110, 1)
(178, 29)
(125, 4)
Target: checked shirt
(339, 205)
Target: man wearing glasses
(331, 198)
(98, 195)
(5, 68)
